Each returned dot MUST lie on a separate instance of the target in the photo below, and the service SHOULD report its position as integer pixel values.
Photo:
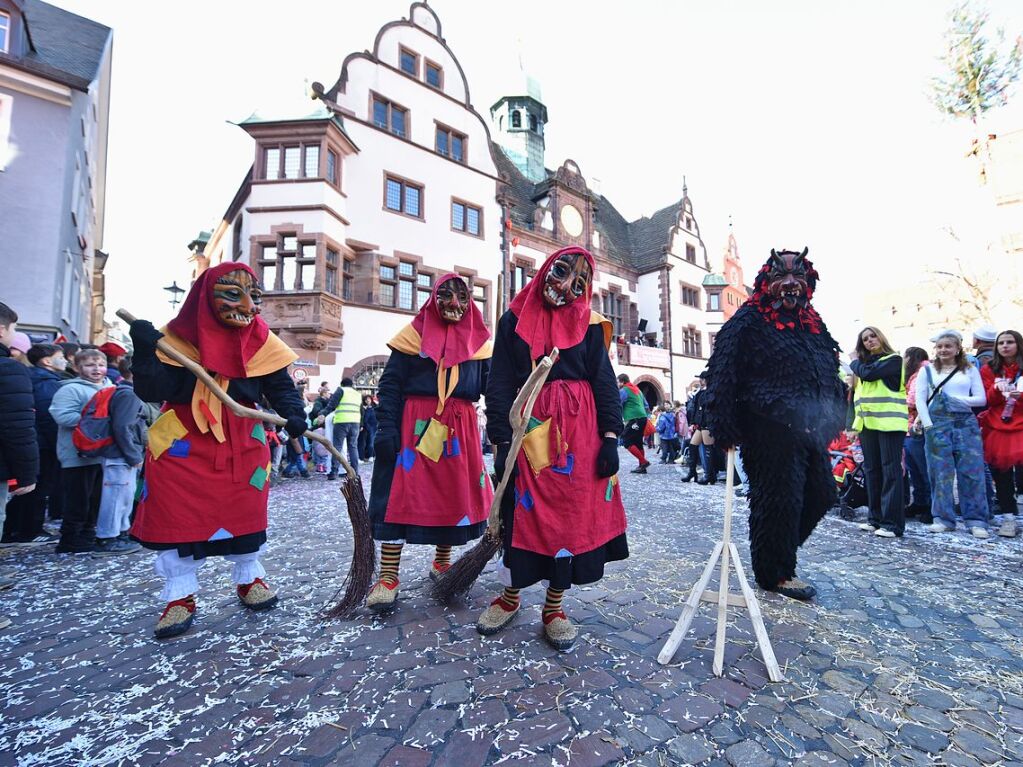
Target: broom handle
(521, 412)
(239, 410)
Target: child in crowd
(81, 479)
(121, 468)
(320, 453)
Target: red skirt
(562, 508)
(201, 490)
(1003, 449)
(439, 479)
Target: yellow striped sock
(552, 604)
(390, 559)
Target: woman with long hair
(916, 454)
(1002, 423)
(881, 418)
(945, 393)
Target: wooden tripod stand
(728, 555)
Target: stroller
(850, 478)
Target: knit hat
(987, 333)
(948, 332)
(21, 342)
(112, 349)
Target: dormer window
(5, 32)
(516, 119)
(409, 62)
(433, 75)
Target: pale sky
(808, 122)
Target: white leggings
(179, 573)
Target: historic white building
(350, 213)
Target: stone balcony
(305, 319)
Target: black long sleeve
(505, 380)
(391, 396)
(602, 380)
(888, 370)
(280, 390)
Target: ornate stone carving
(313, 343)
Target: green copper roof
(714, 279)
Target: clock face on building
(571, 220)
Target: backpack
(93, 437)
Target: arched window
(516, 119)
(532, 123)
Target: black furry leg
(777, 467)
(819, 493)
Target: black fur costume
(774, 389)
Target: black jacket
(889, 371)
(19, 451)
(44, 385)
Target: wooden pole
(726, 546)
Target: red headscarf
(221, 349)
(452, 342)
(542, 326)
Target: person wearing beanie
(20, 344)
(115, 353)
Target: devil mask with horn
(783, 290)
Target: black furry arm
(725, 369)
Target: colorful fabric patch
(534, 422)
(452, 448)
(258, 478)
(145, 490)
(483, 478)
(609, 493)
(524, 499)
(163, 432)
(537, 446)
(431, 443)
(406, 458)
(179, 448)
(205, 410)
(140, 489)
(463, 522)
(220, 535)
(258, 432)
(569, 465)
(563, 553)
(420, 427)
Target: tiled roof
(714, 279)
(67, 47)
(639, 245)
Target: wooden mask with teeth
(236, 299)
(568, 278)
(452, 300)
(787, 279)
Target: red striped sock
(442, 558)
(552, 605)
(390, 559)
(509, 599)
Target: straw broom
(358, 581)
(463, 573)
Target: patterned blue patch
(563, 553)
(406, 458)
(221, 535)
(452, 448)
(145, 490)
(463, 522)
(179, 448)
(567, 468)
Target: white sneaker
(867, 527)
(979, 532)
(938, 527)
(882, 533)
(1008, 528)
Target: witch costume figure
(565, 518)
(429, 483)
(206, 470)
(774, 388)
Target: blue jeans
(343, 432)
(916, 465)
(954, 450)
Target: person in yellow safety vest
(881, 416)
(346, 404)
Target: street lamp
(175, 292)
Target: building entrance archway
(652, 392)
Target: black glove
(297, 426)
(144, 337)
(386, 445)
(607, 458)
(500, 458)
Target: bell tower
(519, 123)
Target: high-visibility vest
(348, 409)
(879, 408)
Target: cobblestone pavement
(911, 655)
